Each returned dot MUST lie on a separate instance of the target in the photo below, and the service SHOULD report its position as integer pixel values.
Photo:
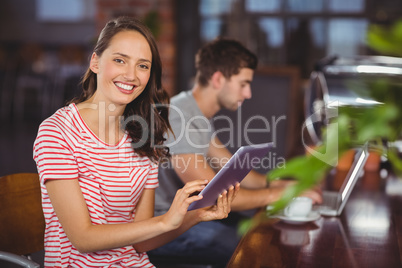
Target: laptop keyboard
(330, 199)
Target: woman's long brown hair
(151, 106)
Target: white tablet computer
(234, 171)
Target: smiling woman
(126, 56)
(98, 163)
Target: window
(346, 37)
(263, 5)
(290, 32)
(65, 10)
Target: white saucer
(312, 216)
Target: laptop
(234, 171)
(334, 201)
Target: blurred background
(45, 46)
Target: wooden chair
(22, 224)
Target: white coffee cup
(299, 207)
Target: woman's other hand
(222, 208)
(185, 196)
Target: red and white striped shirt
(112, 179)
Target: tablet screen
(234, 171)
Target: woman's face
(123, 69)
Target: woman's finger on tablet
(194, 186)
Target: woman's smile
(125, 88)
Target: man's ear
(94, 63)
(217, 79)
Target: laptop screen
(353, 173)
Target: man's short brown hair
(224, 55)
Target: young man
(225, 70)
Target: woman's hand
(222, 208)
(183, 198)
